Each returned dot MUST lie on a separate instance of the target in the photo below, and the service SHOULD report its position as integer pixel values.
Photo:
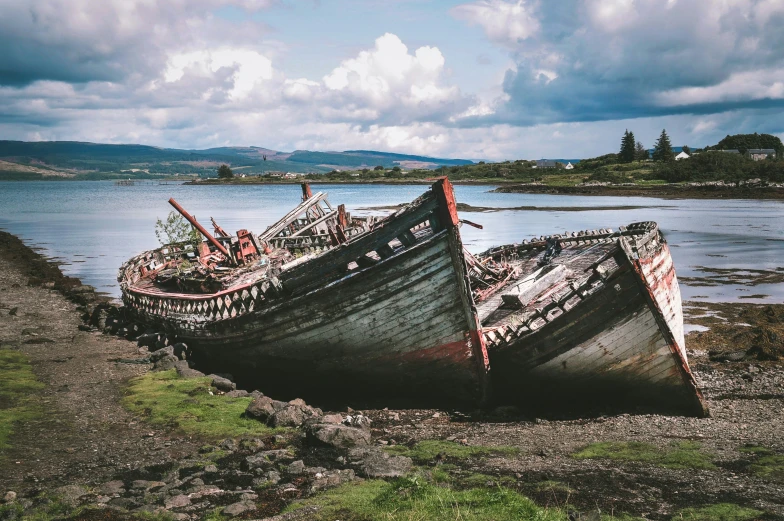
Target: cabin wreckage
(395, 310)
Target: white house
(682, 155)
(569, 166)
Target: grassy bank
(18, 387)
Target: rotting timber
(396, 311)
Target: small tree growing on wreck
(177, 230)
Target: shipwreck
(395, 310)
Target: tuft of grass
(679, 455)
(164, 399)
(718, 512)
(411, 498)
(17, 388)
(428, 450)
(755, 449)
(554, 486)
(769, 467)
(620, 517)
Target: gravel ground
(87, 437)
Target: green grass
(679, 455)
(164, 399)
(718, 512)
(408, 499)
(17, 393)
(769, 467)
(427, 450)
(553, 486)
(755, 449)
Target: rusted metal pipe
(201, 229)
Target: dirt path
(84, 433)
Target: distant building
(545, 163)
(569, 166)
(682, 155)
(276, 174)
(732, 151)
(758, 154)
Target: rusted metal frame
(201, 229)
(218, 230)
(688, 378)
(332, 264)
(447, 215)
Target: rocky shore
(114, 423)
(667, 191)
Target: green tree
(396, 168)
(176, 230)
(224, 172)
(662, 151)
(640, 152)
(626, 154)
(686, 149)
(379, 167)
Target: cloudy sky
(492, 79)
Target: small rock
(260, 408)
(293, 416)
(337, 419)
(228, 444)
(10, 496)
(357, 420)
(375, 463)
(341, 436)
(222, 384)
(238, 393)
(177, 501)
(252, 444)
(236, 509)
(166, 362)
(161, 353)
(70, 494)
(296, 468)
(112, 488)
(265, 458)
(185, 371)
(210, 469)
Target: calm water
(92, 227)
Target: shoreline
(658, 191)
(89, 445)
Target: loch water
(92, 227)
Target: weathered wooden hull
(620, 348)
(401, 329)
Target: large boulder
(294, 414)
(371, 462)
(185, 371)
(341, 436)
(165, 363)
(222, 384)
(161, 353)
(263, 407)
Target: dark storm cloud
(586, 60)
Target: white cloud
(250, 67)
(751, 85)
(506, 22)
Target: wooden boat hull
(400, 331)
(621, 348)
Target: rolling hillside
(77, 160)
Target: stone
(332, 478)
(265, 458)
(112, 488)
(228, 444)
(222, 384)
(337, 419)
(161, 353)
(252, 444)
(177, 501)
(375, 463)
(296, 468)
(185, 371)
(260, 408)
(142, 484)
(9, 496)
(298, 402)
(165, 363)
(256, 394)
(211, 469)
(236, 509)
(341, 436)
(238, 393)
(70, 494)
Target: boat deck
(572, 267)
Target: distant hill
(72, 159)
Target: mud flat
(661, 191)
(89, 431)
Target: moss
(769, 467)
(428, 450)
(718, 512)
(164, 399)
(755, 449)
(553, 486)
(17, 393)
(412, 498)
(679, 455)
